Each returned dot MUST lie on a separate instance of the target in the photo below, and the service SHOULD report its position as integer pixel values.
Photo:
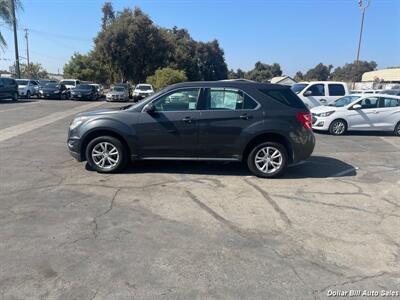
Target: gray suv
(265, 125)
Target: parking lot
(192, 229)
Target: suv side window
(180, 100)
(367, 103)
(336, 90)
(317, 89)
(228, 99)
(389, 102)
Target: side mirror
(307, 93)
(356, 106)
(149, 108)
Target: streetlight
(363, 4)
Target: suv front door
(170, 130)
(226, 114)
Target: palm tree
(6, 16)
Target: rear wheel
(28, 95)
(338, 127)
(268, 160)
(15, 97)
(397, 129)
(106, 154)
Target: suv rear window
(336, 90)
(284, 96)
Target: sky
(297, 34)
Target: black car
(265, 125)
(54, 91)
(8, 89)
(84, 92)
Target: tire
(15, 97)
(96, 158)
(28, 95)
(273, 165)
(338, 127)
(397, 129)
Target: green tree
(108, 15)
(132, 46)
(264, 72)
(166, 76)
(34, 71)
(298, 76)
(86, 67)
(211, 61)
(239, 73)
(320, 72)
(6, 17)
(353, 71)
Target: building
(285, 80)
(385, 75)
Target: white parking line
(13, 131)
(391, 142)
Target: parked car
(54, 91)
(265, 125)
(43, 82)
(70, 83)
(395, 92)
(84, 92)
(27, 88)
(8, 89)
(117, 93)
(127, 86)
(99, 89)
(142, 91)
(378, 112)
(318, 93)
(366, 91)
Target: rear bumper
(303, 145)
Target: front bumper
(81, 96)
(319, 123)
(73, 145)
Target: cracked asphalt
(193, 230)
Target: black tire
(122, 154)
(397, 129)
(15, 97)
(28, 95)
(272, 146)
(338, 127)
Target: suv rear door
(171, 129)
(226, 113)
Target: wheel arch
(268, 137)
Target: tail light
(305, 118)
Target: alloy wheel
(338, 127)
(105, 155)
(268, 160)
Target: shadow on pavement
(315, 167)
(5, 101)
(359, 133)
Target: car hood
(143, 92)
(82, 91)
(98, 112)
(116, 94)
(50, 89)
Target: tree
(320, 72)
(34, 71)
(6, 17)
(86, 67)
(264, 72)
(132, 46)
(211, 61)
(298, 76)
(108, 15)
(353, 71)
(236, 75)
(166, 76)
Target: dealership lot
(192, 230)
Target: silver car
(117, 93)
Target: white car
(70, 83)
(316, 93)
(27, 88)
(142, 91)
(117, 93)
(377, 112)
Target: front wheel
(15, 97)
(106, 154)
(397, 129)
(338, 127)
(28, 95)
(268, 160)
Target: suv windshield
(343, 101)
(84, 87)
(143, 87)
(51, 85)
(298, 87)
(68, 82)
(118, 89)
(22, 82)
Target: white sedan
(377, 112)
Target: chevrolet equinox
(265, 125)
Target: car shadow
(5, 101)
(359, 133)
(314, 167)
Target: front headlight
(56, 92)
(325, 114)
(77, 121)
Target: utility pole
(363, 4)
(14, 20)
(27, 45)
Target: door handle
(323, 100)
(244, 117)
(187, 120)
